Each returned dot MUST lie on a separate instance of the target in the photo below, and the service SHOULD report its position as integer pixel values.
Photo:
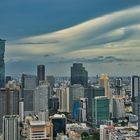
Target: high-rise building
(41, 73)
(118, 107)
(29, 83)
(41, 101)
(63, 95)
(83, 109)
(100, 110)
(90, 93)
(11, 127)
(79, 75)
(2, 64)
(104, 82)
(9, 103)
(53, 105)
(135, 89)
(118, 86)
(59, 124)
(75, 92)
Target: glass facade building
(79, 75)
(2, 64)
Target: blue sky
(102, 34)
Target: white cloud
(116, 34)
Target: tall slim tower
(104, 82)
(41, 73)
(2, 64)
(135, 91)
(79, 75)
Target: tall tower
(135, 91)
(11, 127)
(118, 86)
(41, 73)
(79, 75)
(2, 64)
(41, 101)
(104, 82)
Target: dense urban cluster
(79, 107)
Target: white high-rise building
(118, 108)
(63, 96)
(41, 101)
(11, 127)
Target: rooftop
(37, 123)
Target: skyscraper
(90, 93)
(100, 110)
(9, 103)
(118, 86)
(41, 73)
(135, 91)
(2, 64)
(104, 82)
(75, 92)
(29, 83)
(79, 75)
(41, 101)
(11, 127)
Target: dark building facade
(79, 75)
(59, 124)
(90, 94)
(9, 103)
(2, 64)
(29, 83)
(41, 73)
(135, 90)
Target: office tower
(21, 109)
(118, 107)
(139, 114)
(79, 75)
(51, 80)
(53, 105)
(135, 89)
(104, 82)
(11, 127)
(39, 130)
(29, 83)
(41, 100)
(9, 103)
(63, 95)
(40, 73)
(2, 64)
(80, 109)
(90, 93)
(83, 109)
(75, 92)
(118, 86)
(100, 110)
(105, 131)
(76, 108)
(59, 124)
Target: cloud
(114, 37)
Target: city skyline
(104, 36)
